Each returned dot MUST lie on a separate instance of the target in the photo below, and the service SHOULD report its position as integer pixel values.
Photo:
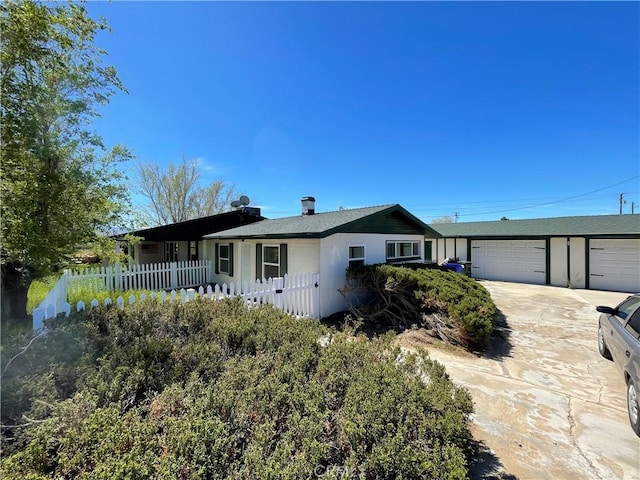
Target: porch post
(208, 271)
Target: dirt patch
(421, 338)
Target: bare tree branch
(22, 351)
(175, 193)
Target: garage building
(599, 252)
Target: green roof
(379, 219)
(545, 227)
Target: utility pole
(633, 208)
(622, 202)
(456, 215)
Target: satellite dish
(244, 200)
(235, 204)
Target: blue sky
(477, 108)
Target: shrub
(454, 307)
(217, 390)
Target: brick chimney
(308, 205)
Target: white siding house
(323, 243)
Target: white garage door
(614, 265)
(509, 260)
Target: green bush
(217, 390)
(405, 296)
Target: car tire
(602, 346)
(632, 406)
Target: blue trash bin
(456, 267)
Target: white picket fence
(152, 276)
(295, 294)
(53, 303)
(155, 276)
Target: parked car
(619, 340)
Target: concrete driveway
(547, 405)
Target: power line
(555, 201)
(445, 207)
(501, 203)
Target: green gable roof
(596, 225)
(380, 219)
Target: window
(171, 251)
(403, 250)
(149, 249)
(224, 259)
(633, 325)
(193, 250)
(627, 307)
(356, 256)
(271, 261)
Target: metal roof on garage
(594, 225)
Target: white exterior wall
(461, 249)
(450, 248)
(558, 255)
(240, 261)
(438, 250)
(434, 251)
(303, 256)
(334, 260)
(205, 252)
(578, 262)
(143, 258)
(328, 256)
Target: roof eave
(279, 236)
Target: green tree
(59, 186)
(176, 193)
